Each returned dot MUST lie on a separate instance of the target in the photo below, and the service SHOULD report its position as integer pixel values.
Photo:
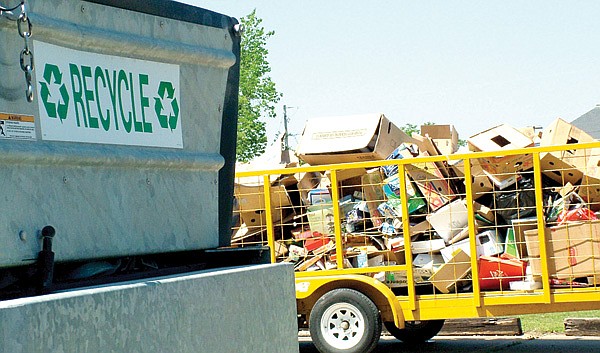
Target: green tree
(258, 94)
(409, 129)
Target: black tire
(345, 321)
(415, 332)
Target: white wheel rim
(342, 325)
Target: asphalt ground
(551, 343)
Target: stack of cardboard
(373, 219)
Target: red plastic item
(495, 273)
(576, 215)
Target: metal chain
(24, 28)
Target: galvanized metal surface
(220, 311)
(113, 200)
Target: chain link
(24, 29)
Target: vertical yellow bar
(269, 215)
(539, 210)
(335, 196)
(472, 234)
(410, 278)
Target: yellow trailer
(407, 243)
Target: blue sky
(473, 64)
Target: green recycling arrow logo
(59, 108)
(166, 92)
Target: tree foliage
(409, 129)
(258, 94)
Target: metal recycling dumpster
(117, 128)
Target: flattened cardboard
(426, 144)
(457, 268)
(349, 139)
(373, 193)
(449, 220)
(431, 182)
(427, 246)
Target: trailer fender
(309, 289)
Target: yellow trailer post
(526, 242)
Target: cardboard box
(505, 167)
(394, 244)
(481, 185)
(559, 170)
(502, 137)
(449, 220)
(250, 197)
(569, 165)
(372, 183)
(399, 279)
(392, 257)
(401, 152)
(349, 139)
(573, 250)
(487, 243)
(431, 183)
(428, 260)
(422, 227)
(346, 174)
(309, 181)
(560, 132)
(280, 249)
(497, 273)
(484, 213)
(448, 275)
(320, 219)
(445, 137)
(515, 238)
(426, 144)
(427, 246)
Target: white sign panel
(95, 98)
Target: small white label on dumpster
(17, 127)
(95, 98)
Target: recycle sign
(55, 98)
(166, 93)
(60, 108)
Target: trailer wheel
(415, 332)
(345, 321)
